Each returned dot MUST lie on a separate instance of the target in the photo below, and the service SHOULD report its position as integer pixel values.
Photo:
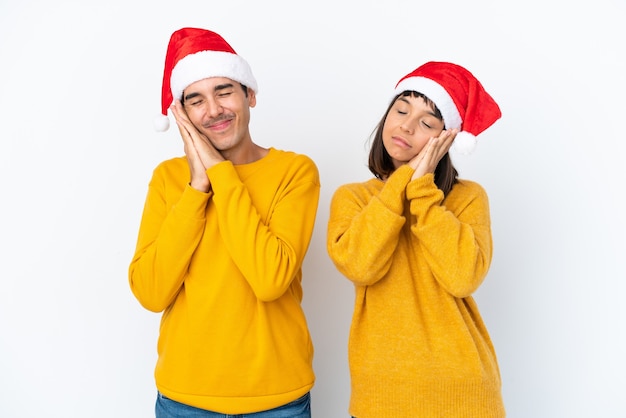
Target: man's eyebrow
(223, 86)
(217, 88)
(190, 96)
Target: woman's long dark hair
(380, 163)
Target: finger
(186, 137)
(192, 139)
(199, 179)
(433, 151)
(440, 145)
(204, 148)
(450, 135)
(181, 117)
(184, 128)
(200, 140)
(448, 140)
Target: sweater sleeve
(268, 252)
(363, 232)
(454, 235)
(168, 237)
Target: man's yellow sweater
(225, 269)
(418, 346)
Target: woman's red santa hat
(195, 54)
(462, 100)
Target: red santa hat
(462, 100)
(193, 55)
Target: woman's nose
(408, 126)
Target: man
(221, 243)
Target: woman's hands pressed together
(427, 159)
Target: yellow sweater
(225, 269)
(418, 346)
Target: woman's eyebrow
(404, 100)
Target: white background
(80, 84)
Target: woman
(416, 242)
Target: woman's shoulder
(362, 191)
(465, 189)
(469, 184)
(366, 185)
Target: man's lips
(219, 124)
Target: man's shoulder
(292, 157)
(293, 165)
(170, 163)
(172, 167)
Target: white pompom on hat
(195, 54)
(461, 98)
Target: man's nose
(213, 108)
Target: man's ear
(251, 97)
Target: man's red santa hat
(195, 54)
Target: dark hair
(245, 89)
(380, 163)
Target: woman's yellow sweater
(225, 269)
(418, 346)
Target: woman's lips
(400, 142)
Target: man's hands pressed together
(201, 154)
